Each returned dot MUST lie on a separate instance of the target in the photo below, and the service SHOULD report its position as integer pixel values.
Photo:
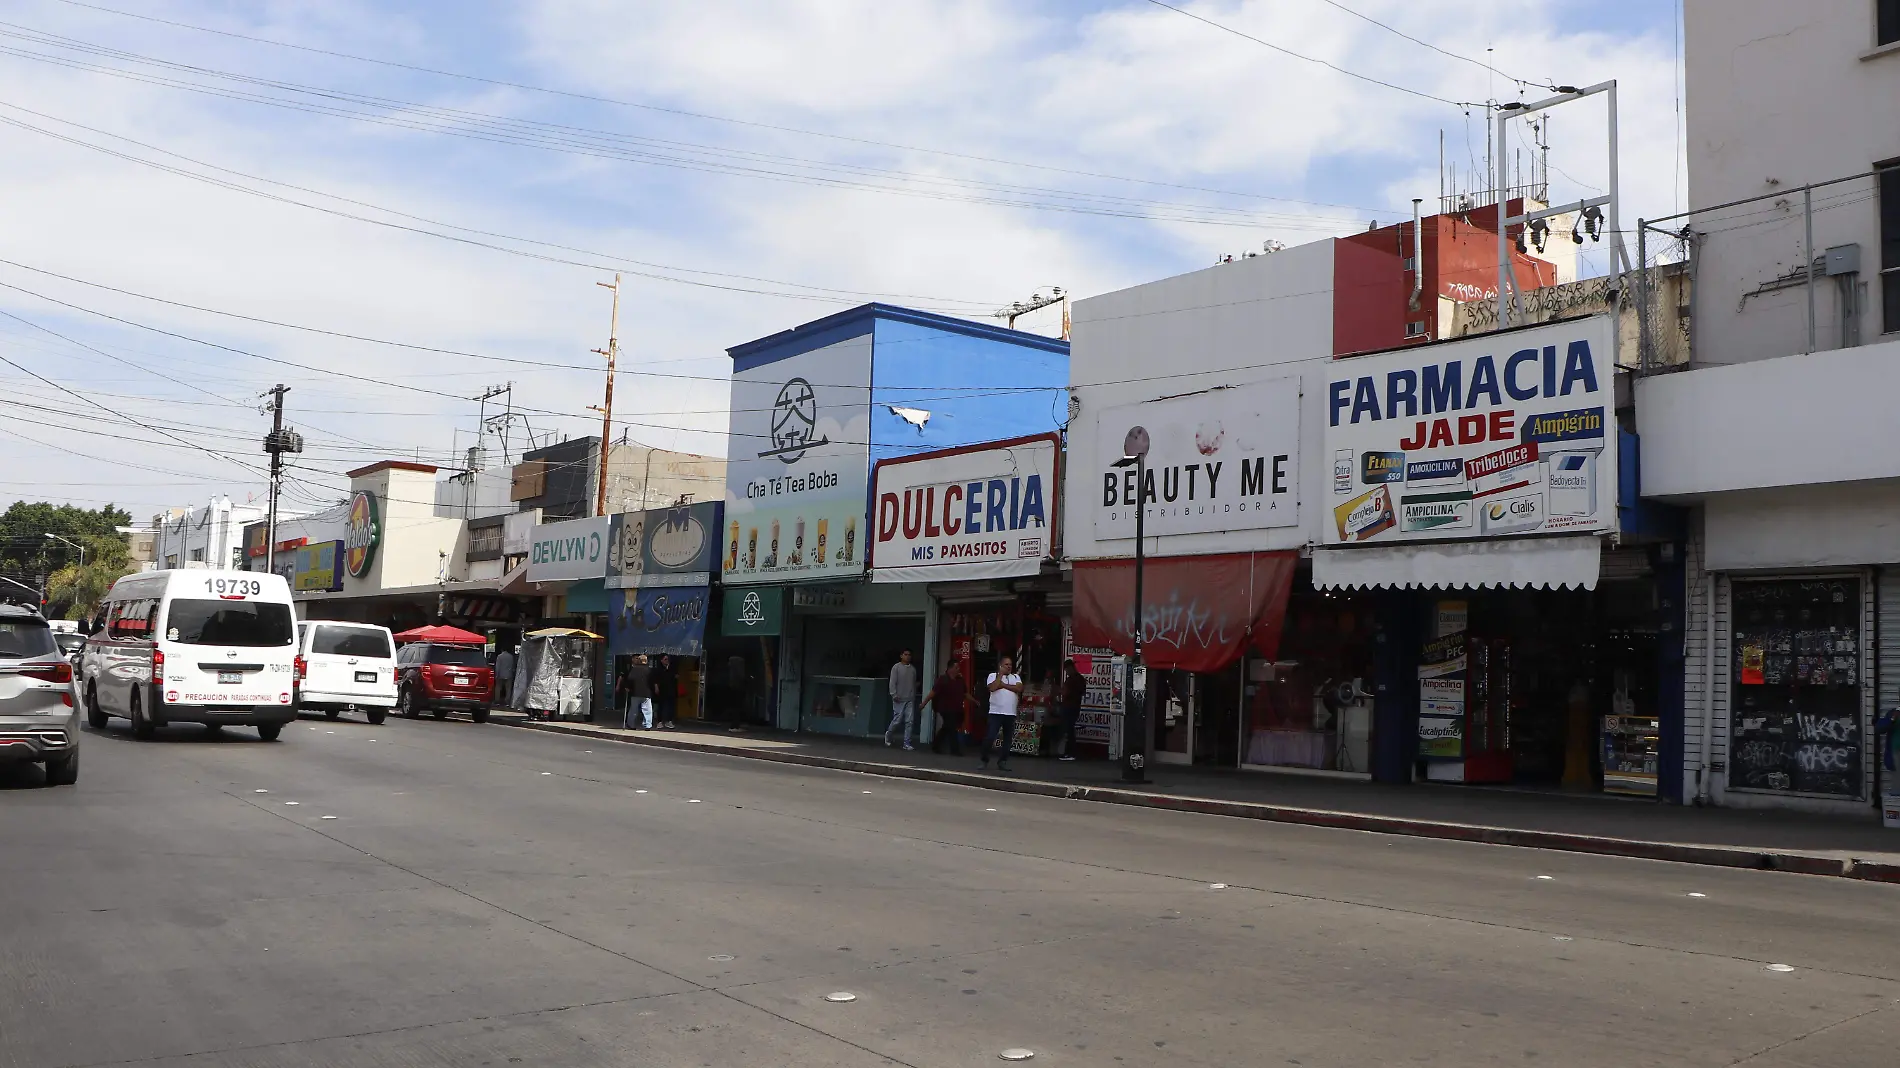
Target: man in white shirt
(903, 699)
(1006, 689)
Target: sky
(416, 202)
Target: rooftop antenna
(1041, 300)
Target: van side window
(119, 622)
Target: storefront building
(567, 570)
(1422, 564)
(660, 565)
(1789, 465)
(1534, 608)
(975, 529)
(812, 409)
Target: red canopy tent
(442, 635)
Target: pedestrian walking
(903, 699)
(1006, 690)
(505, 677)
(1074, 689)
(636, 694)
(666, 692)
(951, 699)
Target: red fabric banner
(1201, 613)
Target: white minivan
(345, 666)
(193, 646)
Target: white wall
(1807, 526)
(1782, 94)
(1265, 317)
(1809, 419)
(640, 477)
(212, 531)
(474, 495)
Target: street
(428, 893)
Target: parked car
(39, 720)
(345, 667)
(438, 678)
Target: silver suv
(39, 721)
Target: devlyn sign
(568, 551)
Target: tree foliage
(28, 556)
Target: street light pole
(1135, 708)
(71, 542)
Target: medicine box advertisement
(1502, 434)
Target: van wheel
(332, 713)
(269, 731)
(95, 715)
(213, 728)
(63, 772)
(376, 716)
(142, 728)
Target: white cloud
(1128, 89)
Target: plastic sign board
(1500, 434)
(980, 512)
(663, 546)
(568, 551)
(362, 533)
(1218, 460)
(318, 568)
(798, 466)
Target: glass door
(1174, 716)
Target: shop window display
(1302, 710)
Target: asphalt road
(428, 893)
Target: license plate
(230, 678)
(463, 682)
(366, 676)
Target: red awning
(442, 635)
(1201, 613)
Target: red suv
(439, 678)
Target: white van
(345, 666)
(193, 646)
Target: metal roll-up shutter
(1886, 646)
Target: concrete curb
(1678, 852)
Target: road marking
(639, 791)
(1781, 967)
(841, 996)
(1546, 878)
(1016, 1054)
(326, 817)
(293, 802)
(547, 773)
(1692, 893)
(260, 791)
(720, 956)
(1217, 886)
(989, 810)
(692, 800)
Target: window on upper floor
(1886, 22)
(1889, 179)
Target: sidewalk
(1778, 841)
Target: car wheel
(63, 771)
(95, 715)
(269, 731)
(213, 728)
(480, 715)
(142, 727)
(406, 703)
(439, 713)
(376, 716)
(332, 713)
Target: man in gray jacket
(903, 699)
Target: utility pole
(278, 442)
(606, 408)
(1036, 303)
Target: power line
(571, 140)
(593, 98)
(1310, 59)
(1443, 52)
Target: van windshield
(199, 621)
(351, 641)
